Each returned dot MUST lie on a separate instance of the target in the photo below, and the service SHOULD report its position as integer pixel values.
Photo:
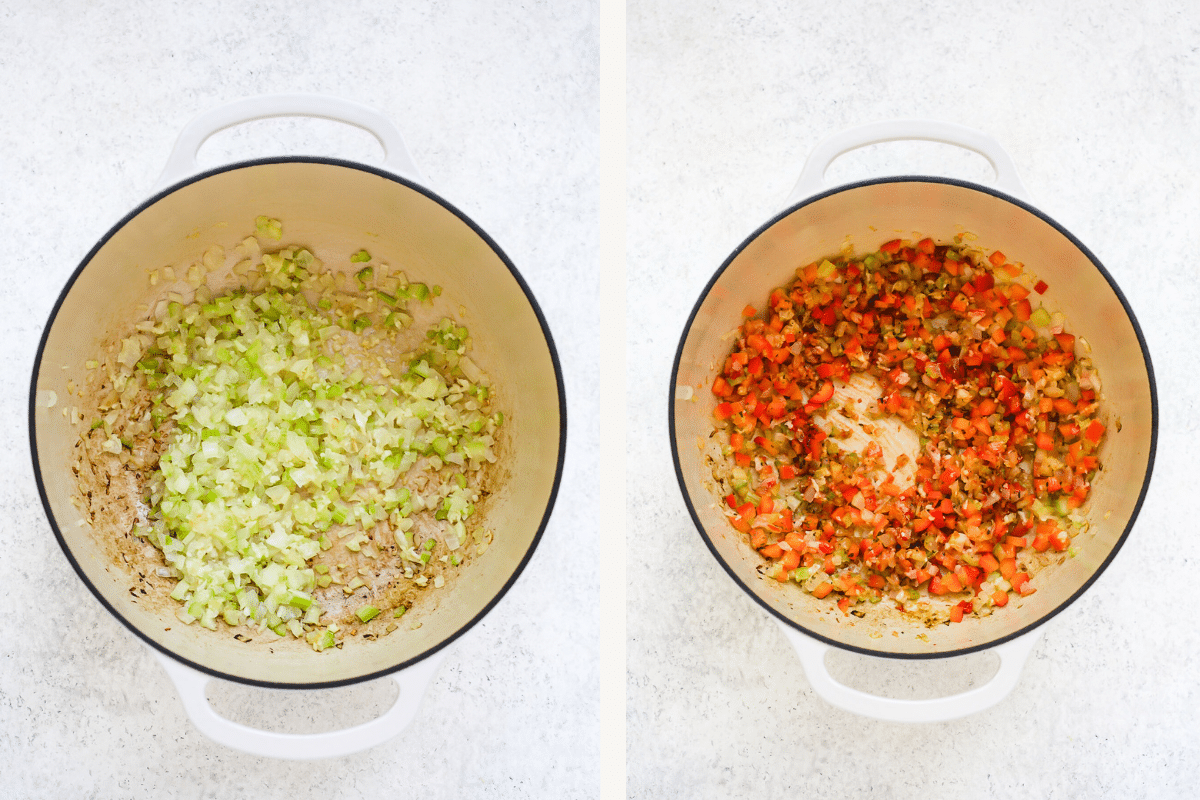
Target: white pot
(817, 222)
(335, 208)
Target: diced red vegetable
(950, 337)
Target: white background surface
(497, 105)
(1096, 104)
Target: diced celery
(271, 228)
(300, 601)
(276, 438)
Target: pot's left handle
(412, 683)
(1013, 655)
(182, 161)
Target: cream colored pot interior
(866, 216)
(335, 210)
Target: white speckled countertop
(1097, 106)
(497, 105)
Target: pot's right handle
(182, 161)
(1013, 655)
(412, 682)
(812, 177)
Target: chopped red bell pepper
(951, 338)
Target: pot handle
(1013, 655)
(182, 161)
(812, 177)
(412, 681)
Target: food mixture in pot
(906, 425)
(304, 455)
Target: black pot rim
(984, 190)
(558, 376)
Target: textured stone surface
(497, 105)
(1097, 107)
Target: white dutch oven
(816, 222)
(334, 207)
